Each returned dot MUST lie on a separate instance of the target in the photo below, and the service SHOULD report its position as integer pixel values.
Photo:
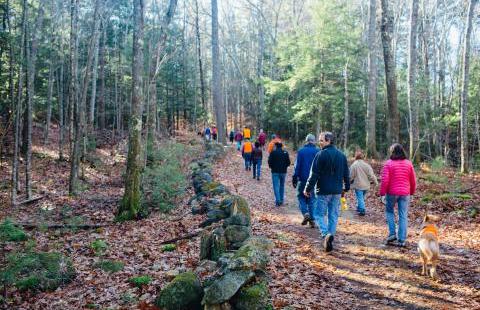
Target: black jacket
(329, 172)
(278, 161)
(257, 154)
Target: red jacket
(262, 138)
(398, 178)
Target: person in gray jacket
(361, 176)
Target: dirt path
(361, 273)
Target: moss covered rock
(249, 257)
(238, 205)
(43, 271)
(253, 297)
(226, 287)
(236, 234)
(219, 244)
(183, 293)
(11, 232)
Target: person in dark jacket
(328, 175)
(303, 164)
(278, 161)
(231, 136)
(257, 156)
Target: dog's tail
(429, 248)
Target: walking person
(231, 136)
(262, 139)
(361, 176)
(207, 133)
(247, 134)
(214, 133)
(257, 156)
(238, 139)
(330, 177)
(247, 150)
(303, 163)
(398, 184)
(271, 145)
(278, 161)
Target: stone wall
(237, 260)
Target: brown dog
(428, 246)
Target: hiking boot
(258, 178)
(328, 243)
(402, 244)
(312, 224)
(254, 177)
(391, 239)
(361, 213)
(306, 219)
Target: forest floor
(360, 273)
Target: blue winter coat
(304, 162)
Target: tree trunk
(216, 78)
(411, 78)
(130, 206)
(61, 114)
(31, 57)
(346, 112)
(51, 80)
(74, 109)
(464, 91)
(393, 132)
(199, 55)
(101, 78)
(93, 98)
(371, 146)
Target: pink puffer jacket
(398, 178)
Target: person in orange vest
(247, 149)
(247, 133)
(271, 145)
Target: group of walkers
(322, 176)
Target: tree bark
(464, 91)
(346, 119)
(130, 206)
(199, 56)
(411, 79)
(371, 145)
(216, 78)
(393, 132)
(51, 80)
(101, 90)
(31, 58)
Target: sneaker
(306, 219)
(361, 213)
(391, 239)
(402, 244)
(312, 224)
(258, 178)
(328, 243)
(254, 177)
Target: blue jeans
(239, 145)
(248, 160)
(257, 168)
(360, 194)
(278, 181)
(402, 203)
(327, 205)
(305, 204)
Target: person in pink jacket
(398, 184)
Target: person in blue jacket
(329, 175)
(303, 163)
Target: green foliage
(164, 180)
(44, 271)
(140, 281)
(435, 178)
(99, 247)
(110, 266)
(438, 163)
(453, 195)
(169, 247)
(10, 232)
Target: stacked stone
(238, 259)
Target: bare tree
(464, 91)
(130, 205)
(372, 81)
(390, 74)
(216, 78)
(411, 78)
